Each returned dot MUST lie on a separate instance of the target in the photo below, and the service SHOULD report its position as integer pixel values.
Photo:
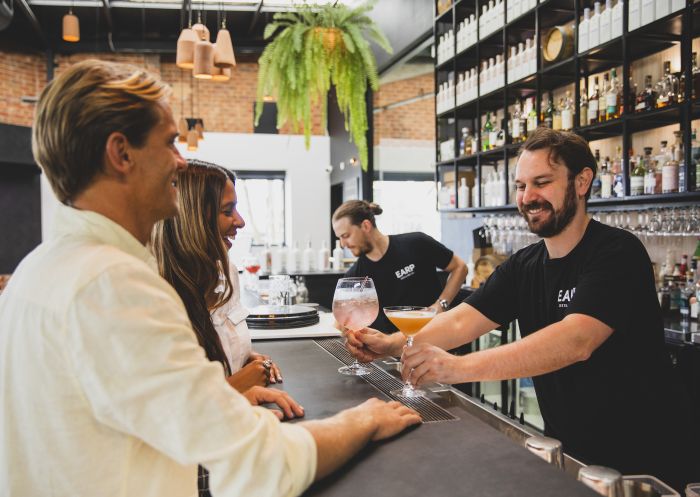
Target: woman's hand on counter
(275, 373)
(369, 344)
(260, 395)
(424, 363)
(255, 373)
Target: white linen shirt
(230, 325)
(105, 391)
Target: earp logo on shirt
(565, 297)
(404, 273)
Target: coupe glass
(409, 319)
(355, 306)
(252, 266)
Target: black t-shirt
(406, 274)
(623, 407)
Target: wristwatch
(444, 304)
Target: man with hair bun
(402, 266)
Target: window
(407, 206)
(261, 203)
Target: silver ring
(267, 363)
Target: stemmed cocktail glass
(355, 306)
(409, 319)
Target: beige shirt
(105, 391)
(230, 325)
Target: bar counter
(481, 453)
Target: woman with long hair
(192, 254)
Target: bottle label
(669, 178)
(649, 183)
(611, 102)
(640, 106)
(592, 107)
(516, 128)
(606, 186)
(567, 119)
(636, 185)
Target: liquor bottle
(602, 109)
(337, 256)
(593, 102)
(556, 120)
(649, 172)
(666, 92)
(665, 154)
(605, 22)
(646, 100)
(463, 194)
(493, 134)
(637, 177)
(532, 120)
(596, 185)
(583, 31)
(266, 257)
(516, 133)
(612, 98)
(696, 77)
(486, 133)
(694, 168)
(324, 263)
(688, 298)
(567, 113)
(606, 179)
(618, 179)
(501, 134)
(669, 173)
(307, 258)
(594, 27)
(583, 107)
(631, 97)
(463, 141)
(293, 258)
(523, 122)
(548, 118)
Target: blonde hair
(358, 211)
(190, 251)
(78, 111)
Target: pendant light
(223, 53)
(220, 74)
(185, 49)
(71, 27)
(203, 60)
(201, 29)
(199, 128)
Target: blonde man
(105, 390)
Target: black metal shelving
(677, 28)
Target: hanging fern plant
(318, 46)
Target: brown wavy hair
(190, 251)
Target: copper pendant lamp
(71, 27)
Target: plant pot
(331, 37)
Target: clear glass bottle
(606, 179)
(602, 102)
(612, 98)
(556, 119)
(593, 102)
(532, 118)
(517, 134)
(649, 172)
(616, 169)
(567, 113)
(463, 142)
(597, 184)
(501, 134)
(637, 177)
(583, 107)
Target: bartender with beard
(592, 329)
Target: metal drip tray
(273, 317)
(383, 381)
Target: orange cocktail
(409, 320)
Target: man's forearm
(453, 328)
(549, 349)
(338, 439)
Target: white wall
(307, 183)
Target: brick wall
(20, 75)
(414, 120)
(224, 106)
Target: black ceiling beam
(107, 11)
(29, 13)
(256, 16)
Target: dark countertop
(449, 458)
